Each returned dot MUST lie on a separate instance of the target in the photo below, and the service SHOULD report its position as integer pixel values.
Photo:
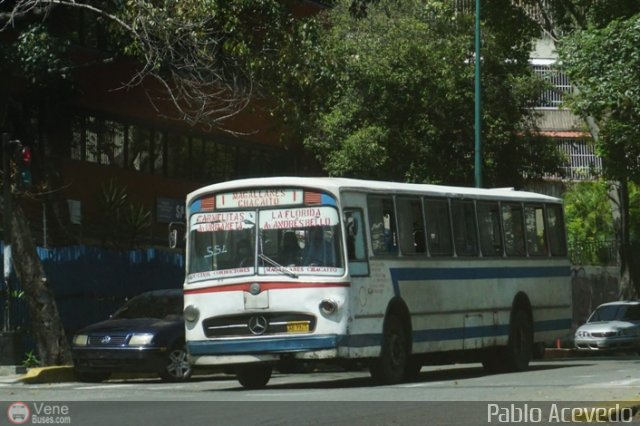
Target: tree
(384, 89)
(589, 219)
(195, 57)
(599, 53)
(195, 60)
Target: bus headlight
(328, 306)
(191, 314)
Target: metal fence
(604, 252)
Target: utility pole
(6, 227)
(478, 103)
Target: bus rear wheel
(390, 367)
(519, 350)
(254, 376)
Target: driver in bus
(318, 251)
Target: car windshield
(149, 305)
(616, 313)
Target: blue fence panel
(90, 283)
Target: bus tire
(389, 367)
(412, 370)
(254, 376)
(520, 347)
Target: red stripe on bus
(263, 287)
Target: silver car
(613, 326)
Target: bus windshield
(291, 241)
(303, 240)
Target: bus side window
(438, 227)
(464, 227)
(489, 225)
(356, 243)
(513, 229)
(555, 223)
(411, 226)
(383, 226)
(535, 231)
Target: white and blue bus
(285, 270)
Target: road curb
(52, 374)
(553, 353)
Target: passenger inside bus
(244, 256)
(318, 251)
(290, 253)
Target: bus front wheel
(254, 376)
(390, 367)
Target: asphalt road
(445, 395)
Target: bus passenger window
(534, 225)
(438, 227)
(489, 224)
(383, 226)
(464, 228)
(555, 223)
(411, 226)
(513, 229)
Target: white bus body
(409, 274)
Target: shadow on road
(446, 374)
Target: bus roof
(338, 185)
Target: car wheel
(254, 376)
(389, 367)
(91, 376)
(177, 368)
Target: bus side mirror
(173, 238)
(174, 227)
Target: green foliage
(387, 92)
(31, 360)
(40, 56)
(119, 219)
(604, 63)
(588, 211)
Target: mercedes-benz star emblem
(258, 325)
(254, 289)
(105, 340)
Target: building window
(146, 149)
(559, 84)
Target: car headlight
(80, 340)
(140, 339)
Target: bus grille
(267, 324)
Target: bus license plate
(298, 327)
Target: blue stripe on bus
(263, 345)
(456, 333)
(443, 274)
(313, 343)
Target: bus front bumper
(231, 351)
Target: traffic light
(24, 166)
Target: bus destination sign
(259, 198)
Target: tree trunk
(629, 279)
(53, 348)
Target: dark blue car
(144, 335)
